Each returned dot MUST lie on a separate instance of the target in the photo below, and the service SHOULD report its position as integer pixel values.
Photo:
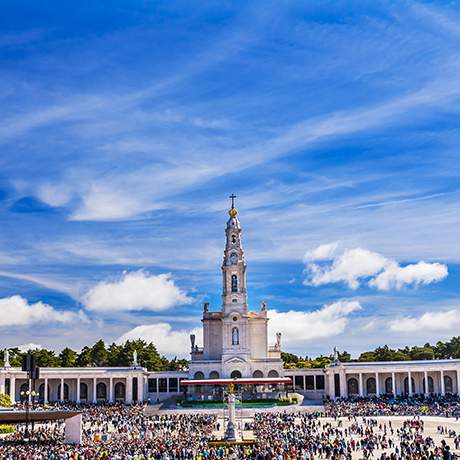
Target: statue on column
(263, 307)
(278, 341)
(192, 342)
(135, 364)
(6, 358)
(336, 359)
(206, 307)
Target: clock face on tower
(233, 258)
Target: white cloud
(135, 291)
(29, 346)
(104, 203)
(429, 321)
(16, 311)
(301, 326)
(322, 252)
(356, 265)
(168, 341)
(420, 273)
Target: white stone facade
(235, 342)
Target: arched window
(448, 385)
(234, 283)
(101, 391)
(41, 392)
(273, 373)
(430, 385)
(83, 391)
(352, 386)
(22, 390)
(120, 391)
(198, 375)
(235, 336)
(235, 375)
(257, 374)
(214, 375)
(371, 386)
(388, 386)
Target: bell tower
(233, 266)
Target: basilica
(236, 345)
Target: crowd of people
(444, 406)
(345, 430)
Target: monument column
(427, 387)
(409, 383)
(61, 393)
(377, 384)
(443, 387)
(361, 387)
(393, 383)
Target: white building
(235, 343)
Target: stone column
(409, 382)
(331, 384)
(304, 382)
(377, 384)
(427, 389)
(61, 395)
(443, 388)
(129, 390)
(77, 399)
(45, 391)
(343, 384)
(94, 390)
(393, 383)
(13, 389)
(458, 382)
(361, 386)
(140, 388)
(111, 389)
(2, 384)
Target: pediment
(235, 360)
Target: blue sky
(125, 126)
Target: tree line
(100, 355)
(442, 350)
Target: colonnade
(347, 382)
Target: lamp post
(26, 394)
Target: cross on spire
(233, 196)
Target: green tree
(99, 355)
(5, 400)
(68, 357)
(84, 357)
(46, 358)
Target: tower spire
(234, 265)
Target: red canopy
(241, 381)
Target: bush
(5, 400)
(7, 429)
